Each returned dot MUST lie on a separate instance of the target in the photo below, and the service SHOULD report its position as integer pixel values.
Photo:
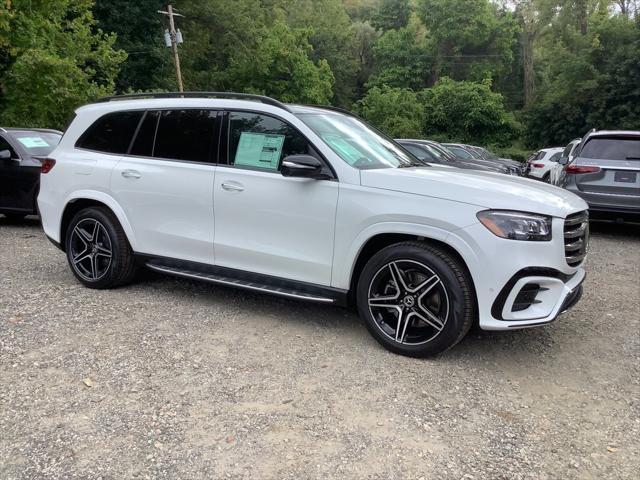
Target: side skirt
(248, 280)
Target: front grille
(576, 237)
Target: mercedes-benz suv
(309, 203)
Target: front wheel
(415, 299)
(97, 249)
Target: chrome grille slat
(576, 237)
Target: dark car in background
(605, 172)
(433, 152)
(469, 152)
(20, 153)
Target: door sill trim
(246, 280)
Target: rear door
(165, 183)
(618, 157)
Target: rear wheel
(547, 177)
(415, 299)
(97, 249)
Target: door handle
(131, 174)
(232, 187)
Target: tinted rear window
(612, 148)
(186, 135)
(111, 133)
(143, 144)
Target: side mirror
(302, 166)
(5, 155)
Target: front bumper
(555, 294)
(501, 269)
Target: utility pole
(173, 38)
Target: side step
(255, 282)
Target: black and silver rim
(90, 249)
(408, 302)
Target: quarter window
(261, 142)
(186, 135)
(111, 133)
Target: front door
(264, 222)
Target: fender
(110, 202)
(343, 267)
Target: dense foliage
(492, 72)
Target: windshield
(37, 143)
(357, 143)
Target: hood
(484, 189)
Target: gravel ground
(169, 378)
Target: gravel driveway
(170, 378)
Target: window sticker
(33, 142)
(259, 150)
(347, 151)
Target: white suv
(309, 203)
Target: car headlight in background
(517, 225)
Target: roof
(621, 133)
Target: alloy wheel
(90, 249)
(408, 302)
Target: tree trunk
(527, 63)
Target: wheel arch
(381, 240)
(94, 199)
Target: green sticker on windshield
(33, 142)
(342, 147)
(259, 150)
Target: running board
(254, 282)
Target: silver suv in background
(606, 174)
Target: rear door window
(143, 144)
(190, 135)
(111, 133)
(612, 148)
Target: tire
(98, 251)
(436, 299)
(546, 178)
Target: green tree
(332, 39)
(395, 111)
(391, 15)
(281, 67)
(592, 82)
(139, 31)
(56, 61)
(467, 112)
(400, 59)
(471, 39)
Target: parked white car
(309, 203)
(566, 157)
(542, 161)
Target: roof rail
(231, 95)
(335, 109)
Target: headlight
(517, 225)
